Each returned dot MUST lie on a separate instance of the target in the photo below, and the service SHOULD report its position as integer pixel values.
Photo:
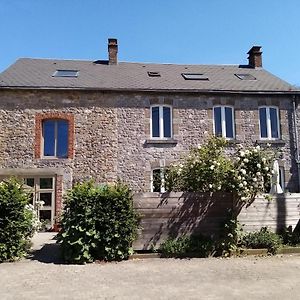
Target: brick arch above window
(40, 117)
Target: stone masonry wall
(112, 129)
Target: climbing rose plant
(208, 168)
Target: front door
(43, 198)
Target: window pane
(228, 122)
(155, 121)
(274, 123)
(263, 122)
(29, 181)
(62, 138)
(167, 121)
(46, 183)
(49, 137)
(156, 180)
(218, 122)
(47, 198)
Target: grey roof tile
(37, 73)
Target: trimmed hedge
(16, 221)
(98, 223)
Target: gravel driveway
(235, 278)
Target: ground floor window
(158, 180)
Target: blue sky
(176, 31)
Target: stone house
(62, 121)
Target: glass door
(43, 198)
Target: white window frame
(55, 139)
(161, 122)
(162, 180)
(223, 121)
(268, 122)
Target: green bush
(290, 237)
(262, 239)
(16, 220)
(196, 245)
(98, 223)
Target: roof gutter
(152, 90)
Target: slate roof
(37, 73)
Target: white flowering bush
(208, 169)
(205, 169)
(252, 172)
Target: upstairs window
(161, 122)
(224, 121)
(269, 123)
(55, 138)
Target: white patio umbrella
(275, 186)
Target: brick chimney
(112, 51)
(255, 59)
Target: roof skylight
(66, 73)
(245, 76)
(194, 76)
(153, 74)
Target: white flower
(263, 159)
(258, 173)
(239, 178)
(242, 164)
(244, 183)
(212, 167)
(268, 145)
(219, 187)
(238, 159)
(218, 164)
(273, 172)
(258, 165)
(257, 147)
(210, 186)
(241, 185)
(243, 171)
(242, 153)
(255, 150)
(266, 168)
(254, 179)
(247, 152)
(199, 146)
(243, 198)
(246, 160)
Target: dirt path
(236, 278)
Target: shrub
(98, 223)
(290, 237)
(262, 239)
(17, 220)
(197, 245)
(231, 234)
(207, 169)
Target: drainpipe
(296, 140)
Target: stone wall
(112, 129)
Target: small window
(65, 73)
(158, 181)
(281, 178)
(161, 122)
(55, 138)
(224, 121)
(269, 123)
(194, 76)
(245, 76)
(153, 74)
